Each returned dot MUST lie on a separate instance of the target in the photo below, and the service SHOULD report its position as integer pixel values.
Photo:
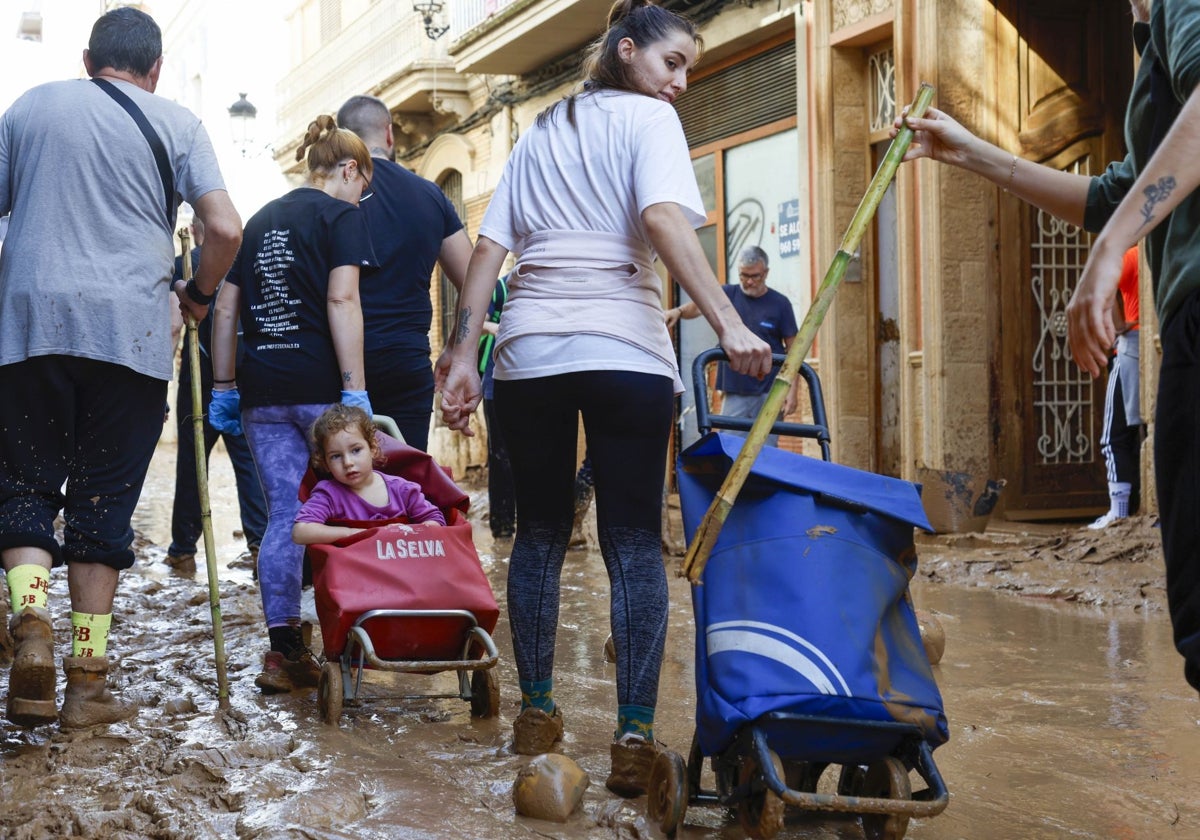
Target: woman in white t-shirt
(593, 190)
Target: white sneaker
(1104, 521)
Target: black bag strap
(156, 145)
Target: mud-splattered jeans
(278, 438)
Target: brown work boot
(32, 678)
(88, 702)
(282, 674)
(184, 563)
(6, 639)
(535, 732)
(632, 758)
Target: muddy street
(1068, 713)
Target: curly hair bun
(319, 129)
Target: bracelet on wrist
(197, 296)
(224, 381)
(1012, 173)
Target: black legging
(627, 420)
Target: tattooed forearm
(462, 330)
(1156, 194)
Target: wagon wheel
(886, 779)
(761, 811)
(485, 694)
(329, 692)
(667, 790)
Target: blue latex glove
(358, 399)
(225, 411)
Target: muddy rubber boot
(88, 701)
(535, 732)
(632, 757)
(31, 681)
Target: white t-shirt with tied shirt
(625, 152)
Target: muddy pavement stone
(550, 787)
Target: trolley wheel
(329, 692)
(667, 791)
(886, 779)
(485, 694)
(803, 775)
(761, 811)
(850, 780)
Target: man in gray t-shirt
(85, 340)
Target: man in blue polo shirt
(769, 315)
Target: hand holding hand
(225, 411)
(461, 392)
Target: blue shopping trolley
(808, 652)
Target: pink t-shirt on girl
(331, 501)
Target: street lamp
(427, 9)
(241, 120)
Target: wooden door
(1063, 72)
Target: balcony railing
(515, 37)
(372, 49)
(465, 15)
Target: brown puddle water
(1066, 721)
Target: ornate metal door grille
(881, 67)
(1062, 392)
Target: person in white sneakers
(1121, 437)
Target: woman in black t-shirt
(294, 286)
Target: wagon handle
(709, 529)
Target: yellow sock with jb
(28, 586)
(89, 633)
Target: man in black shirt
(413, 228)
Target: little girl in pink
(343, 444)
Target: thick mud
(1069, 715)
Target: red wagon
(409, 598)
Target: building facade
(945, 347)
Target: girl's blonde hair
(340, 418)
(326, 146)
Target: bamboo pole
(210, 545)
(706, 534)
